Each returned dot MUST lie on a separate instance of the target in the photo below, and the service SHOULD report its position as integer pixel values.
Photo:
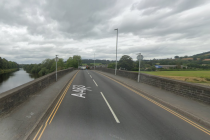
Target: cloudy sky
(33, 30)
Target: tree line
(5, 64)
(127, 63)
(49, 65)
(89, 61)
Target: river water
(14, 79)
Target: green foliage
(47, 66)
(4, 64)
(91, 61)
(126, 62)
(73, 62)
(7, 70)
(43, 71)
(111, 65)
(176, 57)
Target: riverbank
(3, 71)
(14, 79)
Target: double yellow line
(54, 110)
(164, 107)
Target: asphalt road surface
(97, 108)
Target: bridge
(98, 105)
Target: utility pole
(94, 61)
(56, 59)
(116, 52)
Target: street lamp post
(116, 52)
(94, 61)
(56, 59)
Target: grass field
(188, 76)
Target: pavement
(20, 122)
(96, 106)
(193, 109)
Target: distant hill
(88, 61)
(201, 55)
(205, 56)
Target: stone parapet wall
(190, 90)
(15, 96)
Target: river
(14, 79)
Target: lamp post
(94, 61)
(56, 59)
(116, 52)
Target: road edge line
(48, 110)
(182, 112)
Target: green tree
(126, 62)
(73, 62)
(69, 62)
(60, 64)
(77, 60)
(111, 65)
(43, 71)
(176, 57)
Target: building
(168, 66)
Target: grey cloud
(164, 24)
(80, 27)
(176, 6)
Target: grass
(202, 77)
(200, 74)
(2, 71)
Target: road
(94, 107)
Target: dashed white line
(95, 82)
(116, 119)
(90, 76)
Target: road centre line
(110, 108)
(55, 108)
(90, 76)
(163, 107)
(95, 82)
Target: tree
(60, 64)
(126, 62)
(78, 59)
(111, 65)
(73, 62)
(69, 62)
(176, 57)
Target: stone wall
(15, 96)
(190, 90)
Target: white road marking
(90, 76)
(95, 82)
(110, 108)
(80, 89)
